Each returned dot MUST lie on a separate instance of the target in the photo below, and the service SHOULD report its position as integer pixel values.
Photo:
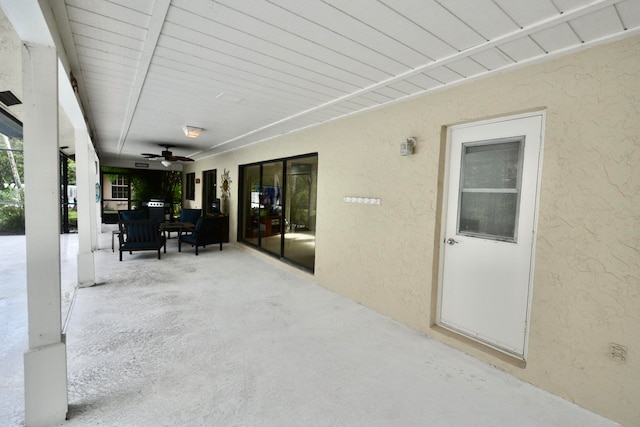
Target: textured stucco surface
(586, 290)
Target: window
(490, 189)
(120, 187)
(190, 186)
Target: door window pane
(300, 237)
(271, 206)
(491, 165)
(489, 215)
(250, 215)
(490, 189)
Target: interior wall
(587, 260)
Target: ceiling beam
(158, 17)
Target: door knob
(451, 241)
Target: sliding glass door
(249, 222)
(271, 202)
(278, 208)
(300, 235)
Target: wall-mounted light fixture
(192, 131)
(407, 146)
(166, 163)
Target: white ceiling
(249, 70)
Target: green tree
(11, 186)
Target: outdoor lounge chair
(190, 215)
(141, 235)
(208, 231)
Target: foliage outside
(148, 184)
(11, 186)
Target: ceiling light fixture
(166, 163)
(191, 131)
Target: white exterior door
(490, 220)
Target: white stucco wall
(587, 263)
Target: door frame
(209, 184)
(440, 236)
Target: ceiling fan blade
(182, 159)
(167, 155)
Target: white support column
(45, 362)
(96, 211)
(85, 178)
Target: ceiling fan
(167, 156)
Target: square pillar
(45, 361)
(85, 178)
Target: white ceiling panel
(406, 87)
(289, 32)
(250, 44)
(249, 66)
(629, 12)
(239, 80)
(569, 5)
(430, 16)
(467, 67)
(350, 106)
(483, 16)
(423, 81)
(143, 6)
(126, 11)
(249, 58)
(366, 102)
(378, 96)
(522, 49)
(391, 92)
(401, 29)
(352, 36)
(112, 24)
(528, 12)
(556, 38)
(598, 24)
(106, 48)
(82, 30)
(492, 59)
(303, 35)
(443, 75)
(253, 69)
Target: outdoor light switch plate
(363, 200)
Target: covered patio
(230, 339)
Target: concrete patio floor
(231, 339)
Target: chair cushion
(133, 215)
(189, 238)
(190, 215)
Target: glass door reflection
(300, 233)
(250, 214)
(271, 204)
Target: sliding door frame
(244, 199)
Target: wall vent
(8, 98)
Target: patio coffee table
(168, 227)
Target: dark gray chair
(208, 231)
(190, 216)
(141, 235)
